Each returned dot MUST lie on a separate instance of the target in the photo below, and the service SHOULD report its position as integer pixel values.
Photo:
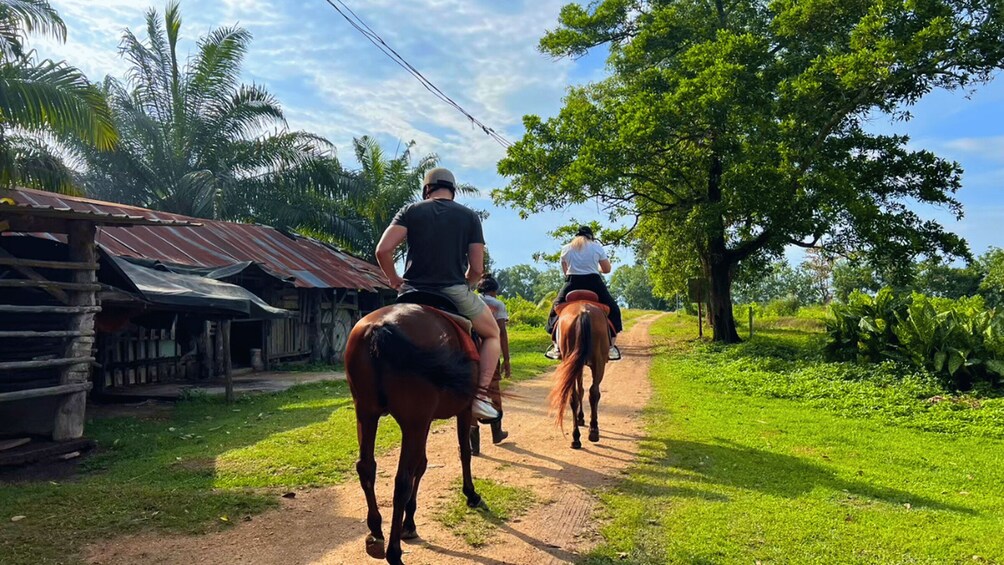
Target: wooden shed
(324, 289)
(48, 302)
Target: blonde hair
(579, 242)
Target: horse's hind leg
(409, 530)
(464, 436)
(413, 440)
(366, 428)
(594, 404)
(576, 402)
(580, 417)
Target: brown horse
(584, 340)
(408, 362)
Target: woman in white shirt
(584, 261)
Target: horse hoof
(581, 421)
(594, 435)
(409, 534)
(476, 502)
(576, 445)
(374, 547)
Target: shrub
(960, 340)
(524, 312)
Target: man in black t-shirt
(446, 251)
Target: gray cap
(440, 178)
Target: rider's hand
(396, 282)
(506, 370)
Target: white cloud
(990, 148)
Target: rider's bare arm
(564, 267)
(605, 266)
(475, 263)
(392, 237)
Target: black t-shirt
(439, 233)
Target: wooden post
(205, 351)
(228, 373)
(700, 319)
(69, 422)
(315, 314)
(219, 365)
(751, 321)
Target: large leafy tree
(42, 101)
(195, 140)
(733, 128)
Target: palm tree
(42, 102)
(196, 141)
(387, 185)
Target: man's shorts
(469, 304)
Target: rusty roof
(173, 238)
(24, 202)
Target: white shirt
(585, 261)
(496, 306)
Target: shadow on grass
(165, 474)
(729, 464)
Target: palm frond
(56, 97)
(30, 162)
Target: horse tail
(447, 368)
(570, 370)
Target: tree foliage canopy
(41, 100)
(197, 141)
(731, 129)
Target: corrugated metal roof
(26, 202)
(214, 243)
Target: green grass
(527, 345)
(204, 467)
(745, 460)
(477, 526)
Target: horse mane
(570, 369)
(447, 368)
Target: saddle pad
(606, 310)
(463, 327)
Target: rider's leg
(552, 319)
(491, 346)
(600, 288)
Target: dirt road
(326, 526)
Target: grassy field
(764, 453)
(202, 465)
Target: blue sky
(482, 53)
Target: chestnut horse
(584, 340)
(407, 361)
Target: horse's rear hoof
(476, 502)
(581, 421)
(576, 445)
(409, 534)
(375, 547)
(594, 435)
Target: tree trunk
(720, 298)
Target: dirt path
(326, 526)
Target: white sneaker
(483, 410)
(552, 352)
(615, 353)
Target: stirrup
(615, 353)
(552, 352)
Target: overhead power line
(359, 25)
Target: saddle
(586, 296)
(443, 306)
